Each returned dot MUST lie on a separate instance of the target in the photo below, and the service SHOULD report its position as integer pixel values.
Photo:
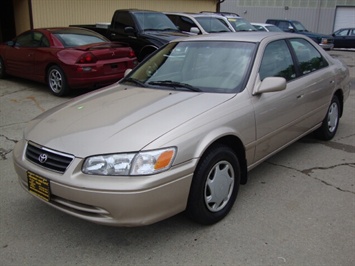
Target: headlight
(142, 163)
(324, 41)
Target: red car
(66, 58)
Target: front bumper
(116, 201)
(327, 46)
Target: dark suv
(325, 41)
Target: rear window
(73, 39)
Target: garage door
(344, 18)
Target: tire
(330, 123)
(57, 81)
(214, 186)
(2, 69)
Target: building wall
(21, 15)
(315, 15)
(48, 13)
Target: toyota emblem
(42, 158)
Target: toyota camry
(180, 132)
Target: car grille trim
(55, 161)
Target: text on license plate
(39, 186)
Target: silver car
(265, 27)
(199, 23)
(181, 131)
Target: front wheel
(214, 186)
(57, 81)
(331, 121)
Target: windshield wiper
(216, 31)
(174, 84)
(169, 29)
(136, 81)
(161, 29)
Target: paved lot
(297, 209)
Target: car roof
(255, 37)
(194, 15)
(262, 24)
(277, 19)
(223, 14)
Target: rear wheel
(2, 69)
(214, 186)
(331, 121)
(57, 81)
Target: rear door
(317, 79)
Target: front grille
(47, 158)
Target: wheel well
(237, 146)
(340, 96)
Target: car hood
(117, 119)
(316, 35)
(164, 36)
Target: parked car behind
(181, 131)
(144, 30)
(198, 23)
(265, 27)
(344, 38)
(235, 22)
(294, 26)
(65, 58)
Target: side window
(183, 23)
(284, 25)
(342, 33)
(277, 61)
(121, 21)
(223, 22)
(39, 40)
(352, 32)
(309, 59)
(45, 42)
(24, 40)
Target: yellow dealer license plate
(39, 186)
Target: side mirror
(291, 29)
(270, 84)
(195, 30)
(129, 30)
(128, 70)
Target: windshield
(240, 24)
(154, 21)
(207, 66)
(211, 24)
(299, 26)
(274, 28)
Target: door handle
(300, 96)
